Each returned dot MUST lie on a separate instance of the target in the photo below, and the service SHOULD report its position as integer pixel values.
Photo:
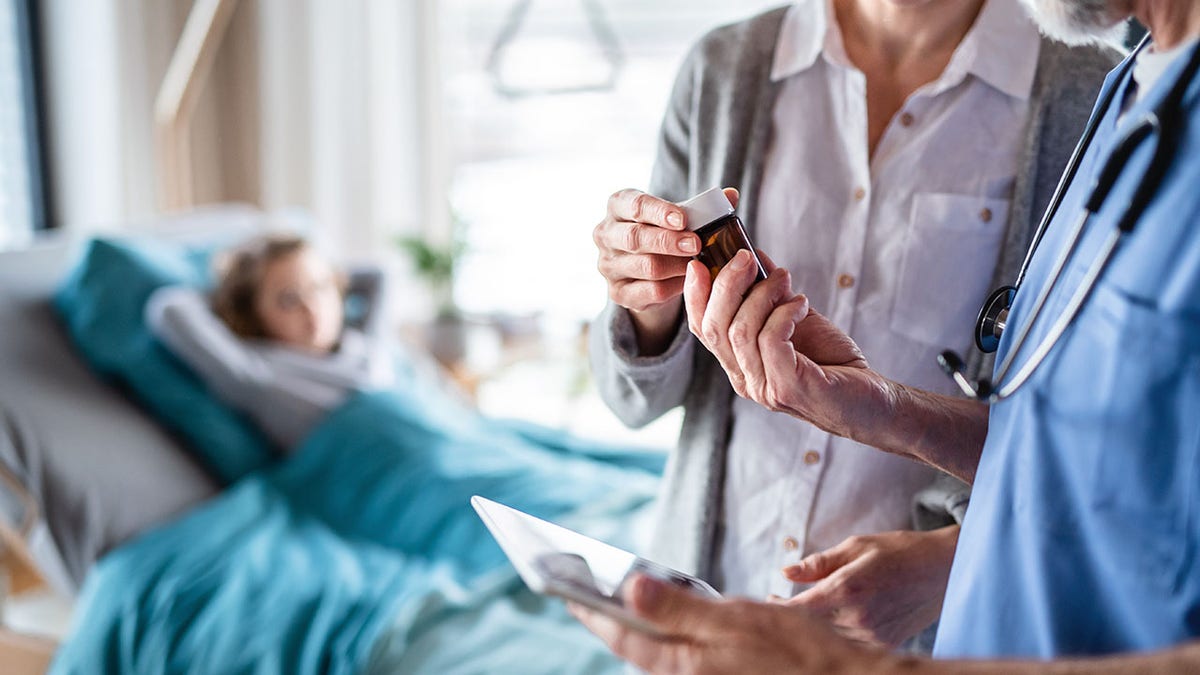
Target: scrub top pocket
(1131, 468)
(1134, 355)
(950, 250)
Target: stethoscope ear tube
(1073, 164)
(1116, 163)
(952, 365)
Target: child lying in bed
(272, 339)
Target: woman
(895, 155)
(273, 341)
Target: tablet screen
(554, 560)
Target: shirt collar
(803, 36)
(1001, 48)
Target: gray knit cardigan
(716, 131)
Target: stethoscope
(1164, 125)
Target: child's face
(299, 303)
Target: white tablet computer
(553, 560)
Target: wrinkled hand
(644, 249)
(700, 636)
(880, 589)
(779, 352)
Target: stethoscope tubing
(1076, 161)
(1086, 287)
(1043, 295)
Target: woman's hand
(644, 251)
(880, 589)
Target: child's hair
(240, 274)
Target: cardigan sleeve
(640, 388)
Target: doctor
(1083, 535)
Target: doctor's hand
(880, 589)
(779, 352)
(644, 249)
(701, 636)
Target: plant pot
(446, 338)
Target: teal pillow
(102, 303)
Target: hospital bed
(133, 522)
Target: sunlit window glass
(549, 106)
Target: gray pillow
(100, 469)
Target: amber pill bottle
(722, 235)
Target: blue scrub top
(1084, 524)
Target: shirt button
(860, 194)
(845, 280)
(986, 215)
(812, 457)
(790, 543)
(906, 120)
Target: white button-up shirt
(897, 249)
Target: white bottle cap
(706, 207)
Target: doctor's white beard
(1081, 22)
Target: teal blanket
(362, 550)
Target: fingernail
(688, 245)
(648, 591)
(739, 261)
(674, 219)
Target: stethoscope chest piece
(992, 318)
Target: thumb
(732, 195)
(816, 566)
(675, 611)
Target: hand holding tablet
(553, 560)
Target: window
(549, 106)
(22, 205)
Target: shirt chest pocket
(946, 263)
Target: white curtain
(348, 126)
(325, 105)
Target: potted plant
(435, 263)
